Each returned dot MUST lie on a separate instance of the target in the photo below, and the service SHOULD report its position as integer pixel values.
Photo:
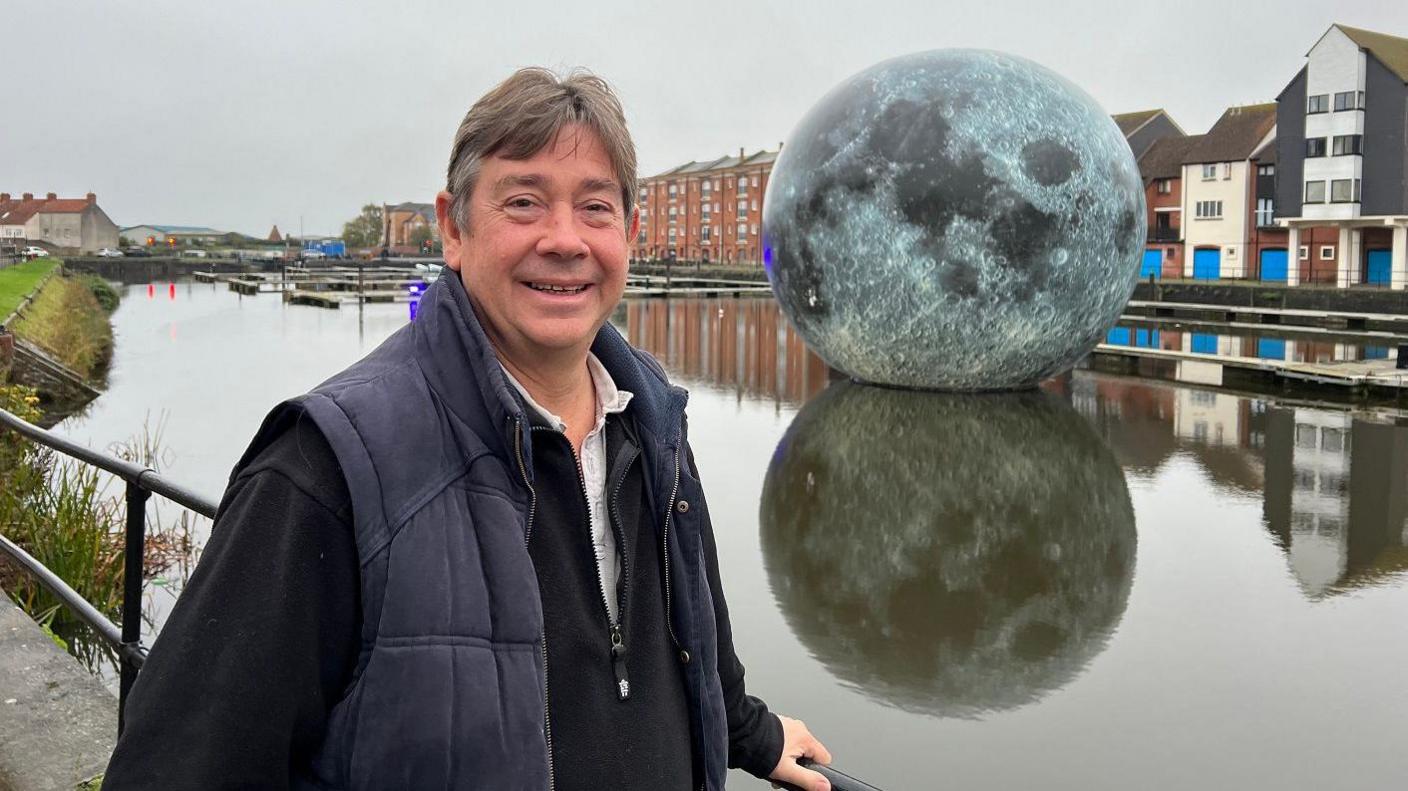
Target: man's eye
(598, 207)
(521, 203)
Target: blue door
(1117, 336)
(1204, 343)
(1207, 264)
(1146, 339)
(1273, 265)
(1153, 265)
(1271, 348)
(1377, 271)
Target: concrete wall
(1385, 187)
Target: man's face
(545, 258)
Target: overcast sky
(241, 115)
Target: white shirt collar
(610, 400)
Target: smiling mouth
(549, 288)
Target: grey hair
(523, 114)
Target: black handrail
(142, 483)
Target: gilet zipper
(614, 634)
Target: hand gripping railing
(142, 483)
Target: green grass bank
(16, 282)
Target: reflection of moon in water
(948, 554)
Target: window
(1327, 253)
(742, 185)
(673, 218)
(1208, 210)
(705, 232)
(742, 229)
(753, 229)
(672, 189)
(1361, 99)
(1226, 170)
(753, 205)
(1209, 172)
(1349, 100)
(1314, 192)
(1317, 104)
(1263, 212)
(1163, 186)
(1314, 147)
(716, 206)
(755, 181)
(716, 184)
(1342, 191)
(742, 206)
(707, 207)
(1347, 144)
(1305, 252)
(707, 186)
(1266, 170)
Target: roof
(1266, 155)
(1129, 123)
(722, 163)
(177, 229)
(1391, 51)
(423, 209)
(18, 212)
(1164, 159)
(1235, 135)
(64, 206)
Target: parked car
(270, 255)
(34, 252)
(109, 252)
(313, 255)
(193, 254)
(138, 252)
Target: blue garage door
(1204, 343)
(1377, 272)
(1273, 265)
(1117, 336)
(1271, 348)
(1207, 264)
(1153, 265)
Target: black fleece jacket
(263, 641)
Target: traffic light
(151, 241)
(171, 242)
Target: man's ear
(451, 238)
(633, 225)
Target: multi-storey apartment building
(1217, 178)
(1342, 157)
(706, 211)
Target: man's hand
(798, 742)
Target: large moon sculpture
(950, 554)
(954, 220)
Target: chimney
(92, 198)
(779, 145)
(29, 196)
(740, 152)
(51, 196)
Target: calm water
(1113, 583)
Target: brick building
(71, 225)
(403, 220)
(706, 211)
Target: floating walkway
(1375, 378)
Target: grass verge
(69, 318)
(18, 281)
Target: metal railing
(142, 483)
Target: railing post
(133, 559)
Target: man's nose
(561, 237)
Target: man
(480, 557)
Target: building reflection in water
(741, 345)
(1333, 483)
(948, 554)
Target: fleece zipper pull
(618, 663)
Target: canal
(1111, 583)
